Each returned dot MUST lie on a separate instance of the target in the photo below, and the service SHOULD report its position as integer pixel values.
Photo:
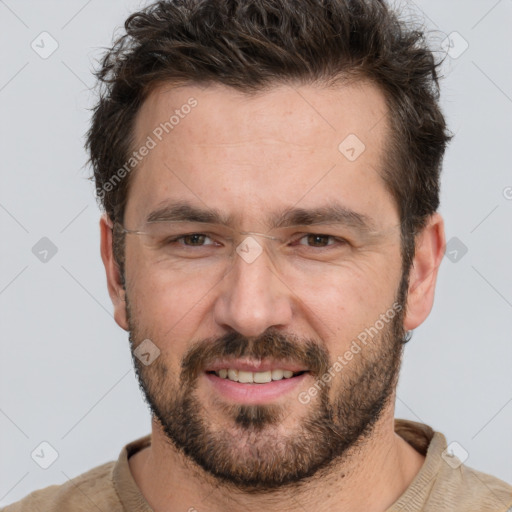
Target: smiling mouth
(247, 377)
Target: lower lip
(254, 393)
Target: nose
(252, 295)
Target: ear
(115, 287)
(430, 247)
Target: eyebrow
(333, 213)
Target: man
(269, 172)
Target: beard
(247, 446)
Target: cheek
(154, 296)
(350, 299)
(355, 287)
(164, 311)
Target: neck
(370, 477)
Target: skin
(248, 156)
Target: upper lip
(254, 366)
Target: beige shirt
(442, 484)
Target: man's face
(297, 306)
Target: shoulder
(468, 489)
(93, 490)
(444, 482)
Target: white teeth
(277, 374)
(246, 377)
(262, 377)
(253, 377)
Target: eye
(192, 240)
(320, 240)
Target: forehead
(246, 154)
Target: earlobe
(114, 283)
(430, 246)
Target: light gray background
(65, 370)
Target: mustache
(270, 345)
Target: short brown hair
(252, 45)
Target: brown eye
(315, 240)
(195, 239)
(318, 240)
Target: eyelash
(341, 241)
(335, 240)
